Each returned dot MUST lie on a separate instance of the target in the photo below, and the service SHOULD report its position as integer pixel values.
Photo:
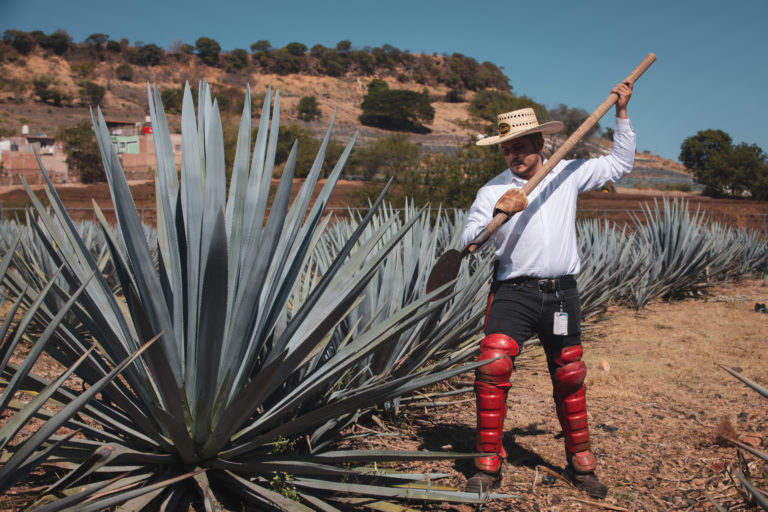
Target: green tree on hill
(393, 156)
(22, 42)
(725, 169)
(487, 104)
(396, 109)
(58, 42)
(145, 55)
(82, 151)
(208, 50)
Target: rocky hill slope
(125, 100)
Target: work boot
(482, 482)
(586, 482)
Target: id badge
(560, 324)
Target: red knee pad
(572, 371)
(497, 346)
(570, 399)
(491, 386)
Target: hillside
(125, 100)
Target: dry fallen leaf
(724, 429)
(753, 440)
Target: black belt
(544, 284)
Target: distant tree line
(455, 71)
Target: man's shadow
(462, 440)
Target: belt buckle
(547, 285)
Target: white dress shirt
(540, 241)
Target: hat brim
(546, 129)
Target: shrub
(297, 49)
(145, 55)
(114, 46)
(455, 95)
(92, 93)
(58, 42)
(46, 93)
(488, 104)
(283, 62)
(124, 72)
(236, 60)
(172, 99)
(393, 156)
(261, 46)
(22, 42)
(308, 108)
(396, 109)
(82, 152)
(208, 50)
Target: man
(534, 287)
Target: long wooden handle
(585, 127)
(501, 218)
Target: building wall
(18, 164)
(22, 163)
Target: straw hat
(517, 124)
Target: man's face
(522, 156)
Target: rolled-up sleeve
(610, 168)
(479, 215)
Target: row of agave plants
(222, 363)
(264, 345)
(671, 252)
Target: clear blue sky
(711, 72)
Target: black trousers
(523, 306)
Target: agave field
(218, 359)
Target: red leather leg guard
(491, 386)
(571, 405)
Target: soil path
(656, 397)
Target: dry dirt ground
(656, 397)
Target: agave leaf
(382, 391)
(94, 504)
(78, 497)
(139, 502)
(45, 431)
(719, 507)
(209, 502)
(8, 346)
(275, 370)
(264, 496)
(756, 493)
(389, 492)
(148, 284)
(381, 506)
(74, 250)
(290, 465)
(752, 384)
(37, 348)
(358, 456)
(318, 503)
(213, 311)
(167, 192)
(12, 470)
(343, 359)
(757, 453)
